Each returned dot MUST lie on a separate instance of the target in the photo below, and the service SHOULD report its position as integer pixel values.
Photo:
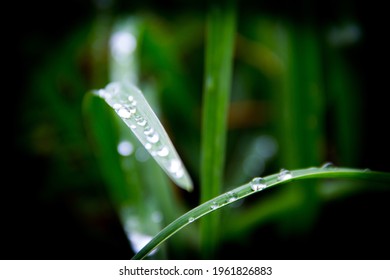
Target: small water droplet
(148, 146)
(214, 205)
(153, 138)
(140, 121)
(148, 130)
(284, 175)
(258, 184)
(327, 165)
(132, 110)
(231, 196)
(132, 101)
(163, 152)
(191, 219)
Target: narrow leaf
(253, 187)
(217, 84)
(132, 107)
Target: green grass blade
(132, 107)
(217, 83)
(245, 190)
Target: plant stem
(217, 83)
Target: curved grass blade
(132, 107)
(256, 185)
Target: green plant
(147, 205)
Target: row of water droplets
(256, 184)
(132, 107)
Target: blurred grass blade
(124, 41)
(217, 83)
(132, 107)
(253, 187)
(134, 209)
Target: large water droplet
(258, 184)
(284, 175)
(191, 219)
(174, 165)
(124, 113)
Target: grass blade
(132, 107)
(217, 82)
(246, 190)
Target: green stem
(217, 83)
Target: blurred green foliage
(299, 98)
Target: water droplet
(179, 173)
(117, 106)
(132, 110)
(174, 165)
(142, 122)
(148, 130)
(284, 175)
(148, 146)
(163, 152)
(327, 165)
(124, 113)
(258, 184)
(153, 138)
(231, 196)
(214, 205)
(132, 101)
(191, 219)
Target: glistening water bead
(132, 107)
(284, 174)
(231, 196)
(258, 184)
(214, 205)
